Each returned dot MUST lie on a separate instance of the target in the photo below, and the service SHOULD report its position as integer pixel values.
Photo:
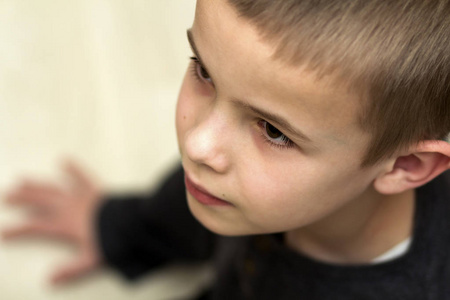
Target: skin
(315, 190)
(312, 189)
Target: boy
(311, 133)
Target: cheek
(274, 198)
(192, 98)
(185, 111)
(283, 197)
(181, 110)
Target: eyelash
(285, 143)
(195, 71)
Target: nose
(206, 143)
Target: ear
(422, 163)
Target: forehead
(242, 65)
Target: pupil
(272, 131)
(204, 73)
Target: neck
(358, 232)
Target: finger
(25, 195)
(35, 228)
(78, 175)
(73, 270)
(38, 196)
(48, 189)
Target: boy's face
(281, 148)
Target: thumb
(78, 176)
(74, 270)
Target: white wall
(96, 80)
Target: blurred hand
(65, 213)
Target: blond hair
(395, 54)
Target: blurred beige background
(95, 80)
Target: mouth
(201, 195)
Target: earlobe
(423, 163)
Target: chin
(208, 218)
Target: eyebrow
(265, 114)
(194, 49)
(274, 118)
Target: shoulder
(433, 207)
(437, 188)
(443, 184)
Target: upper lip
(200, 188)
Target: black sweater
(147, 231)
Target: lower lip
(203, 197)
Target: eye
(199, 71)
(274, 136)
